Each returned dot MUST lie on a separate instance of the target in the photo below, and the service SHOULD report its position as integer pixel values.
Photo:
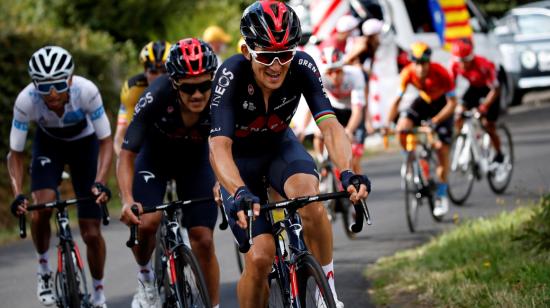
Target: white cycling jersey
(350, 92)
(84, 114)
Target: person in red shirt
(483, 91)
(435, 106)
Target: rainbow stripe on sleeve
(323, 115)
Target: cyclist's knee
(313, 213)
(149, 224)
(260, 257)
(301, 184)
(44, 195)
(202, 242)
(91, 235)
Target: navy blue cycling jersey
(157, 121)
(238, 110)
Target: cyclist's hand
(483, 108)
(348, 178)
(349, 133)
(217, 193)
(19, 205)
(243, 197)
(127, 216)
(101, 192)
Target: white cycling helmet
(331, 58)
(50, 63)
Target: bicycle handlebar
(60, 204)
(134, 241)
(361, 210)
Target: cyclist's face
(335, 76)
(198, 100)
(268, 77)
(421, 69)
(153, 71)
(56, 101)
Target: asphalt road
(531, 132)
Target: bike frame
(471, 149)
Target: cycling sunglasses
(155, 68)
(45, 87)
(190, 88)
(267, 58)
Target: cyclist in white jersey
(345, 87)
(73, 129)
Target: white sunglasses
(267, 58)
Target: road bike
(180, 280)
(297, 279)
(71, 289)
(471, 158)
(417, 173)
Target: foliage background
(104, 37)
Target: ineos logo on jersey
(43, 160)
(309, 65)
(147, 175)
(223, 82)
(143, 101)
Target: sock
(43, 263)
(442, 189)
(216, 306)
(146, 273)
(329, 273)
(98, 296)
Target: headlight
(528, 59)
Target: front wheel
(70, 283)
(500, 174)
(190, 284)
(412, 196)
(313, 288)
(461, 173)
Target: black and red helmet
(272, 25)
(190, 57)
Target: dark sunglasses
(268, 57)
(45, 87)
(155, 69)
(191, 88)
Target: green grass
(478, 264)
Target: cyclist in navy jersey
(73, 130)
(255, 95)
(167, 139)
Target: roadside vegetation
(502, 261)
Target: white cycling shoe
(147, 295)
(441, 206)
(45, 289)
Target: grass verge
(481, 263)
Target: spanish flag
(451, 20)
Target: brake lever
(133, 240)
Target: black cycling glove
(348, 178)
(242, 197)
(16, 203)
(103, 189)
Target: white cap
(372, 26)
(346, 23)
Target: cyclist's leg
(252, 288)
(293, 174)
(196, 181)
(445, 135)
(46, 168)
(490, 122)
(410, 118)
(148, 189)
(82, 158)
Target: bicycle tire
(412, 203)
(452, 190)
(508, 162)
(276, 294)
(72, 299)
(190, 285)
(309, 271)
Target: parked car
(523, 35)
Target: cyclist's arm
(125, 175)
(492, 96)
(338, 145)
(493, 84)
(405, 78)
(447, 111)
(394, 108)
(355, 118)
(358, 99)
(104, 159)
(221, 159)
(18, 136)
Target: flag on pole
(451, 20)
